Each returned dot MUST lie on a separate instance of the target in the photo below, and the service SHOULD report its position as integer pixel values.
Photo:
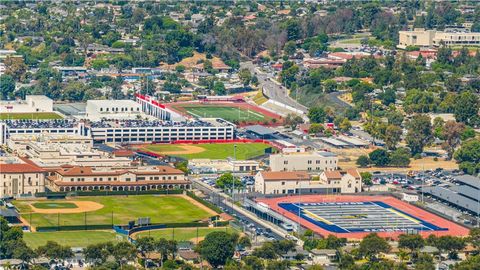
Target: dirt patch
(197, 204)
(82, 206)
(187, 149)
(197, 240)
(26, 223)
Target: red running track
(453, 228)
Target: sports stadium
(354, 217)
(232, 109)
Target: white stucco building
(348, 181)
(304, 161)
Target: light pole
(233, 173)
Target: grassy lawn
(54, 205)
(228, 113)
(72, 239)
(182, 234)
(120, 209)
(218, 150)
(34, 116)
(259, 98)
(350, 41)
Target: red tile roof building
(21, 179)
(74, 178)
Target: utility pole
(233, 173)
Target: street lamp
(233, 173)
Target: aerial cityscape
(240, 135)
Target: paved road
(224, 201)
(273, 90)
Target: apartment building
(329, 182)
(17, 179)
(80, 178)
(304, 161)
(428, 38)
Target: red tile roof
(354, 173)
(20, 168)
(339, 174)
(86, 171)
(118, 183)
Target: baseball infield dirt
(82, 206)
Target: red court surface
(413, 212)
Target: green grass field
(54, 205)
(34, 116)
(215, 151)
(182, 234)
(231, 114)
(120, 209)
(72, 239)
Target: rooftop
(19, 168)
(285, 176)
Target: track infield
(354, 217)
(116, 210)
(244, 151)
(240, 113)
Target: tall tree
(7, 86)
(217, 248)
(466, 108)
(372, 245)
(419, 133)
(392, 136)
(15, 67)
(451, 133)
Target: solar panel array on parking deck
(453, 197)
(334, 142)
(353, 141)
(467, 191)
(468, 180)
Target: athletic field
(354, 217)
(232, 114)
(106, 210)
(244, 151)
(30, 116)
(71, 238)
(182, 234)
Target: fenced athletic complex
(356, 216)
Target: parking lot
(424, 180)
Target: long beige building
(79, 178)
(18, 179)
(348, 181)
(429, 38)
(304, 161)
